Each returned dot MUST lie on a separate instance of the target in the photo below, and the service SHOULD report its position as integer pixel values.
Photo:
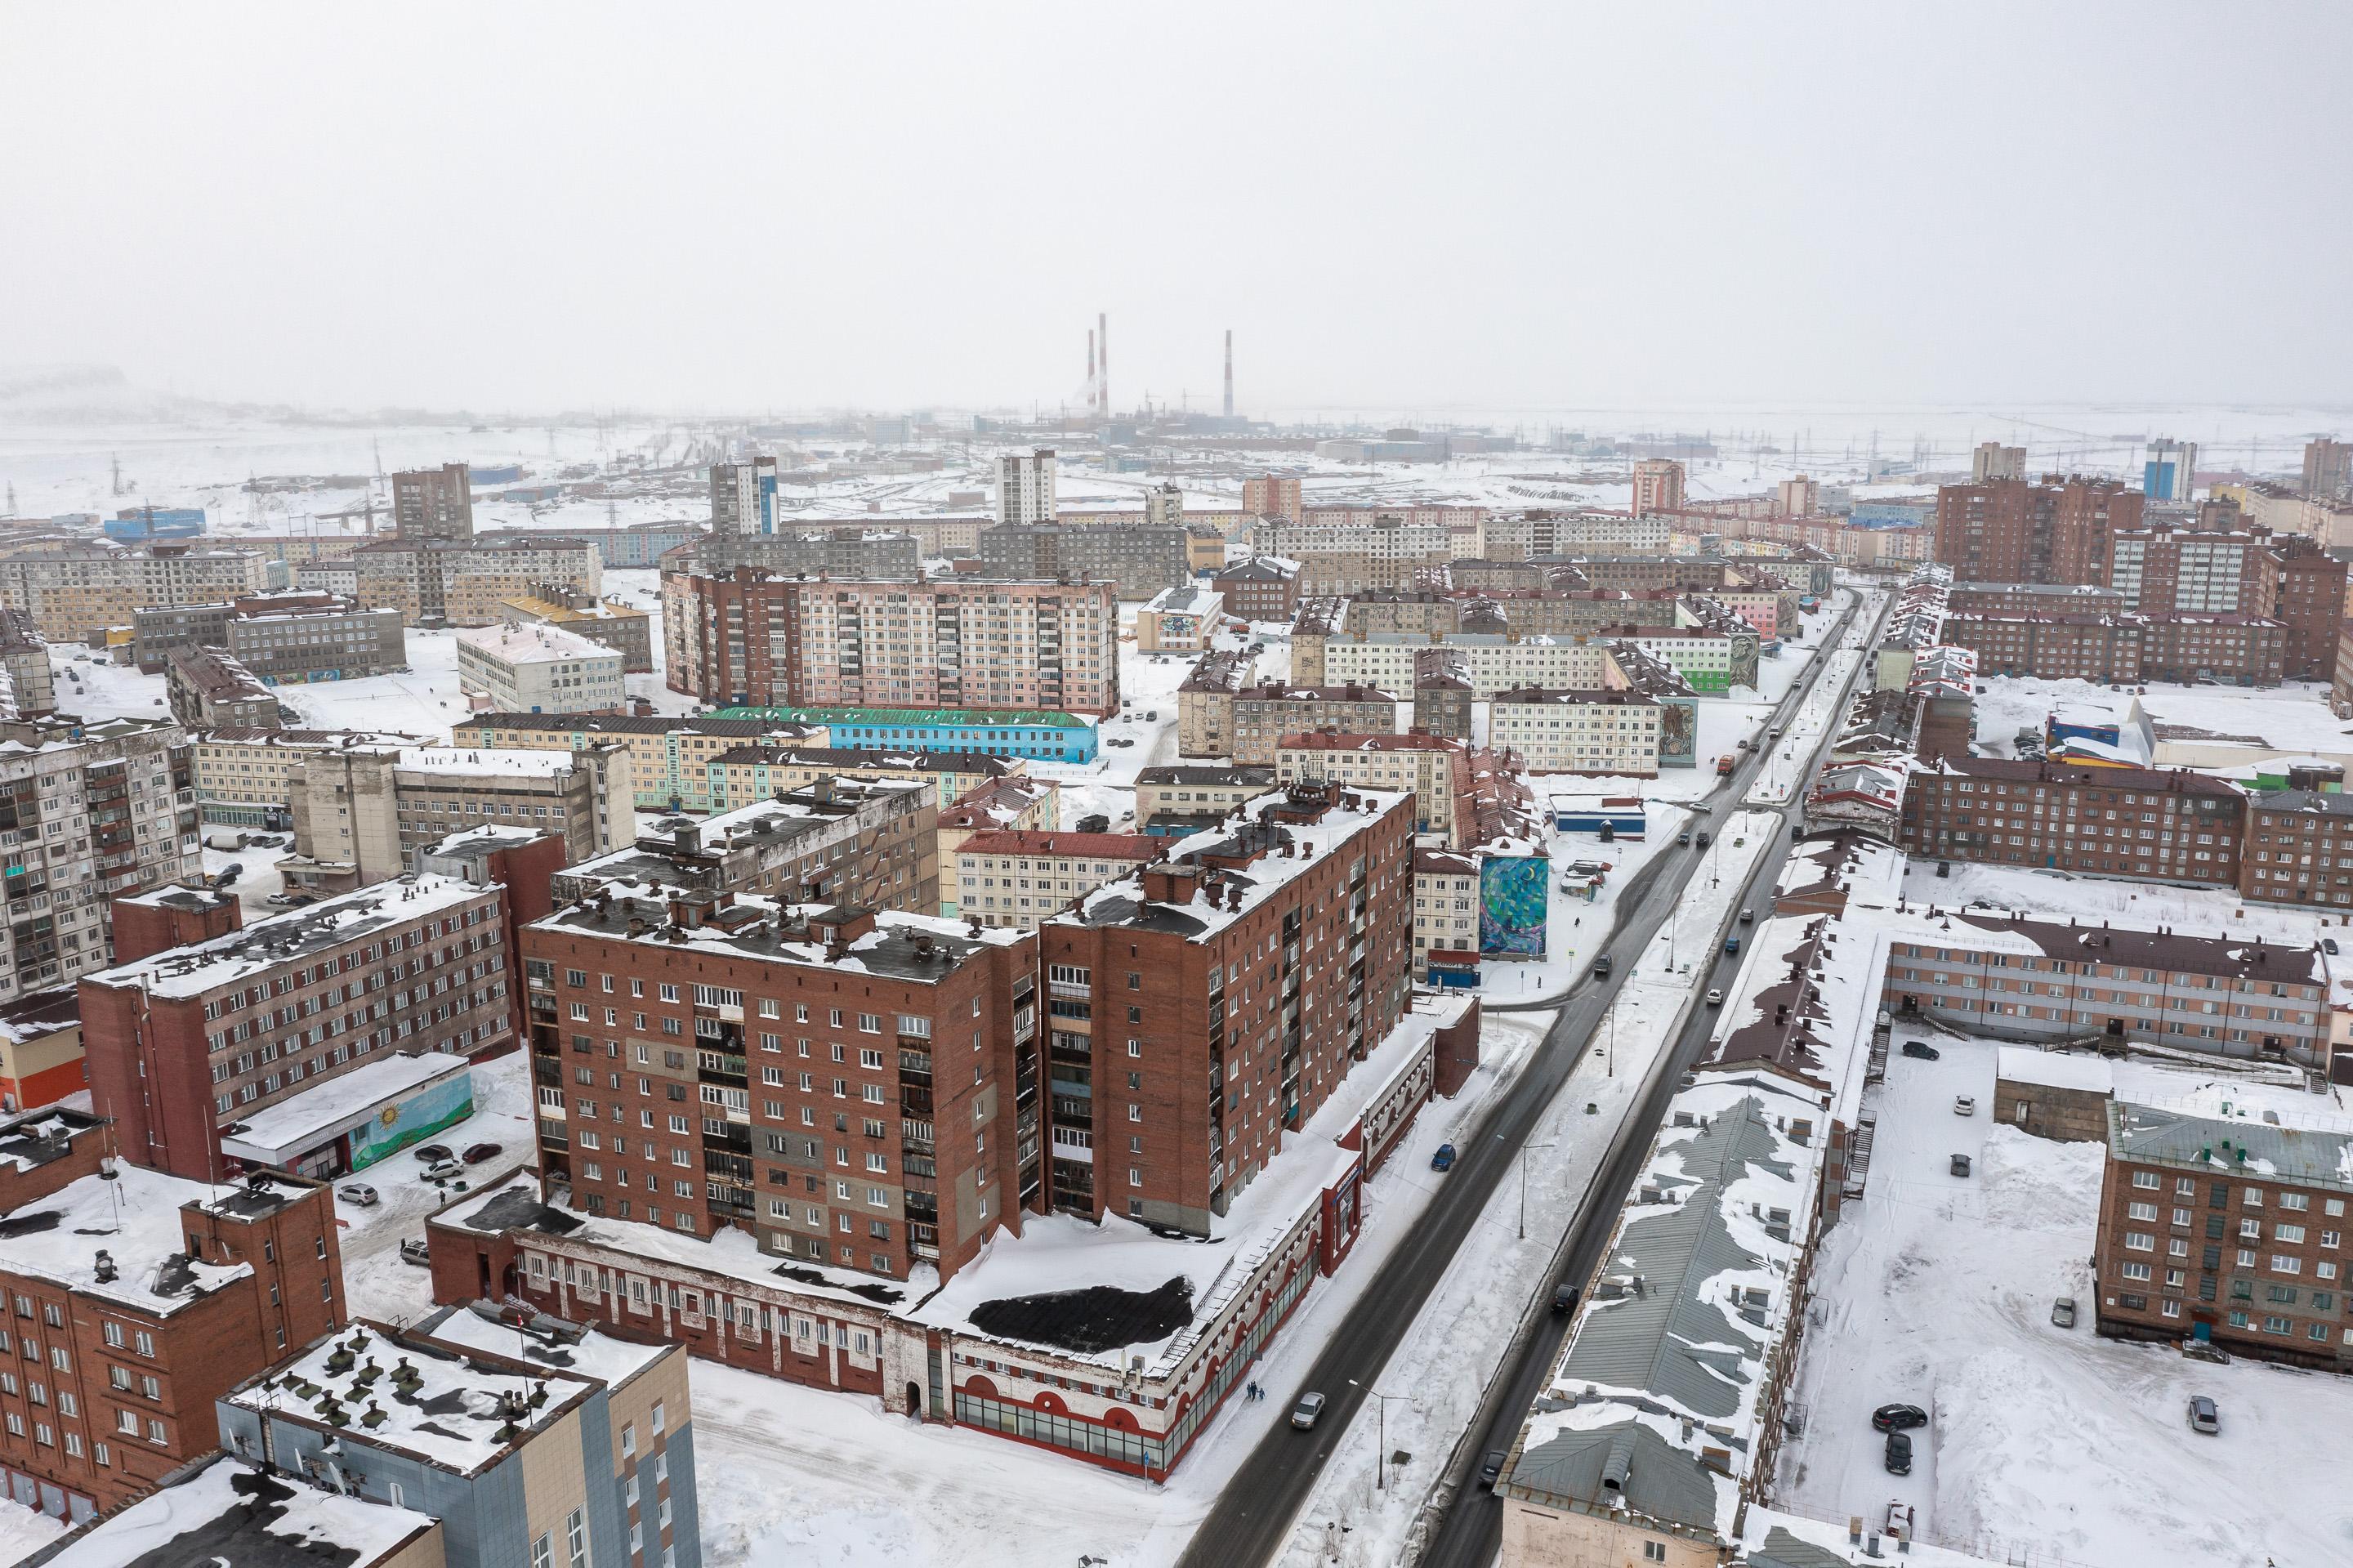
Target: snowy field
(2045, 1444)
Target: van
(225, 839)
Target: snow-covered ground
(2045, 1444)
(424, 703)
(24, 1531)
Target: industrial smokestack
(1103, 361)
(1229, 373)
(1091, 370)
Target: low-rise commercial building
(209, 689)
(669, 755)
(539, 669)
(1181, 620)
(185, 1044)
(2118, 821)
(1019, 878)
(140, 1299)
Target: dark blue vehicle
(1732, 943)
(1444, 1159)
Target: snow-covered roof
(612, 1361)
(282, 1132)
(535, 642)
(924, 947)
(484, 760)
(266, 944)
(2083, 1070)
(2303, 1149)
(134, 1219)
(223, 1511)
(456, 1413)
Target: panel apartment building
(2010, 531)
(209, 689)
(446, 582)
(247, 777)
(68, 588)
(1203, 1006)
(140, 1297)
(185, 1043)
(84, 820)
(1139, 559)
(2118, 821)
(775, 1074)
(767, 643)
(433, 504)
(281, 636)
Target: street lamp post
(1381, 1431)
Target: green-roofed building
(1039, 735)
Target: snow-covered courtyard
(2044, 1444)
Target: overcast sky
(1405, 206)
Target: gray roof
(2300, 1156)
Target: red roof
(1105, 846)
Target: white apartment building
(247, 777)
(1385, 659)
(1383, 539)
(1432, 769)
(1533, 535)
(1445, 906)
(1017, 879)
(81, 823)
(1611, 733)
(1025, 487)
(539, 669)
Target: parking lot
(2044, 1444)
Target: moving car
(478, 1152)
(1601, 967)
(1748, 917)
(1303, 1413)
(1683, 837)
(1490, 1467)
(1898, 1418)
(432, 1153)
(1732, 943)
(413, 1250)
(1702, 838)
(2204, 1415)
(1899, 1453)
(1444, 1159)
(1963, 1104)
(2062, 1312)
(1922, 1050)
(1564, 1300)
(1714, 997)
(359, 1195)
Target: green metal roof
(981, 716)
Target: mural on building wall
(413, 1120)
(1513, 893)
(1678, 731)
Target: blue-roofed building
(1042, 736)
(139, 524)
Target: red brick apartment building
(2120, 821)
(2299, 848)
(2125, 649)
(749, 638)
(2010, 531)
(130, 1300)
(716, 1061)
(1203, 1007)
(181, 1044)
(2232, 1229)
(1265, 588)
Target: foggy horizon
(1391, 209)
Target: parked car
(1097, 823)
(359, 1195)
(1152, 716)
(1898, 1418)
(1899, 1453)
(1921, 1049)
(1303, 1413)
(1715, 996)
(413, 1250)
(1564, 1300)
(478, 1152)
(1490, 1467)
(432, 1153)
(2328, 945)
(1960, 1166)
(1444, 1159)
(1963, 1104)
(2062, 1312)
(279, 900)
(2204, 1415)
(442, 1170)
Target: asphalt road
(1252, 1521)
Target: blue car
(1444, 1159)
(1732, 943)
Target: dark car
(229, 874)
(1490, 1467)
(1683, 838)
(1898, 1418)
(478, 1152)
(1564, 1300)
(432, 1153)
(1921, 1049)
(2328, 945)
(1444, 1159)
(1097, 823)
(1601, 966)
(1899, 1453)
(1702, 838)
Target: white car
(1964, 1105)
(359, 1195)
(1715, 997)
